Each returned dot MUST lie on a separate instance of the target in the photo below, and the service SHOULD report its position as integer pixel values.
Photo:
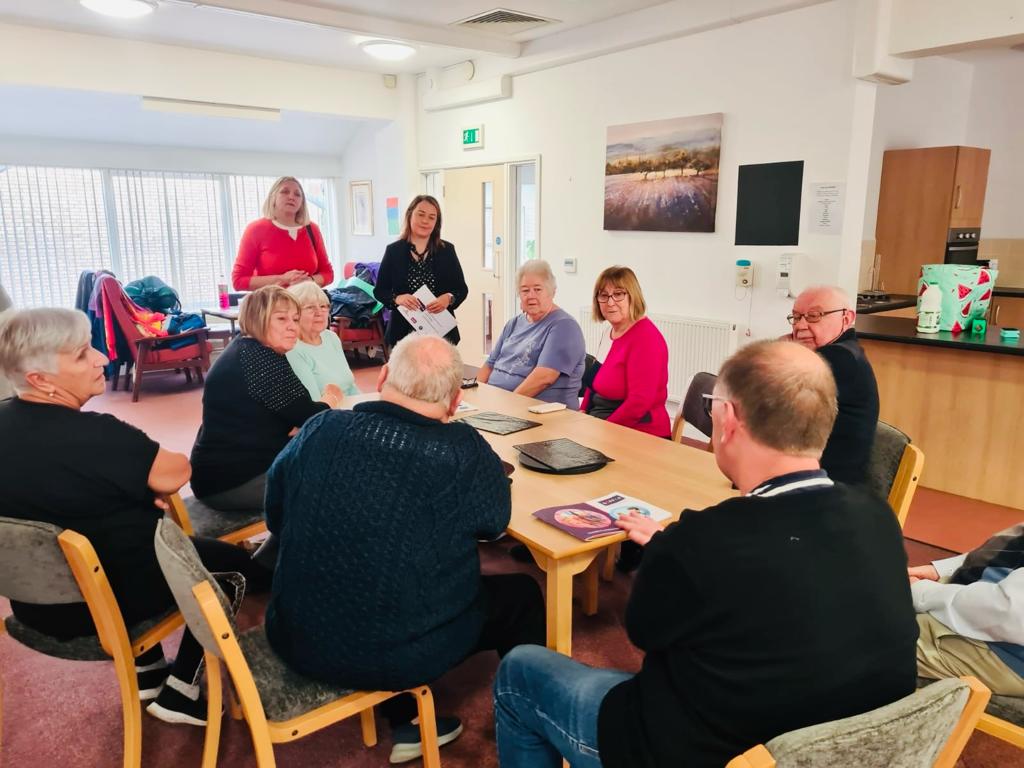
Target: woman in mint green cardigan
(317, 358)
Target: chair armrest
(148, 341)
(177, 511)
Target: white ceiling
(427, 25)
(52, 113)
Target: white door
(474, 222)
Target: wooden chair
(197, 519)
(894, 468)
(41, 564)
(927, 729)
(279, 704)
(1004, 719)
(146, 353)
(691, 408)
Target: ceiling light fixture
(387, 50)
(121, 9)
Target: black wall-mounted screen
(768, 203)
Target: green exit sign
(473, 138)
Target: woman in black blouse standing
(420, 258)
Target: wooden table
(230, 314)
(667, 474)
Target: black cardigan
(759, 616)
(393, 280)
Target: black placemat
(563, 454)
(498, 423)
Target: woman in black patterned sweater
(252, 404)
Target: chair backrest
(115, 295)
(925, 729)
(183, 570)
(886, 454)
(691, 409)
(33, 568)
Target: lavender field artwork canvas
(662, 175)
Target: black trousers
(515, 616)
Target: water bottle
(222, 293)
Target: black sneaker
(151, 681)
(172, 706)
(406, 739)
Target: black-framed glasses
(617, 296)
(709, 401)
(814, 316)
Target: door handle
(956, 203)
(995, 321)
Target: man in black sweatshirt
(782, 608)
(822, 320)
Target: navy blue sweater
(379, 510)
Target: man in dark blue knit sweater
(785, 607)
(378, 511)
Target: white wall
(784, 84)
(929, 111)
(996, 121)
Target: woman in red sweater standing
(628, 383)
(284, 247)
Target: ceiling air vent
(503, 21)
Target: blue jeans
(545, 708)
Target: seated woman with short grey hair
(252, 404)
(102, 478)
(541, 352)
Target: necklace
(416, 254)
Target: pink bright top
(267, 249)
(636, 372)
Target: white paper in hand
(426, 322)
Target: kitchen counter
(959, 397)
(1009, 293)
(895, 301)
(903, 330)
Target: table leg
(559, 595)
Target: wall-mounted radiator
(694, 345)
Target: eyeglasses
(814, 316)
(616, 296)
(709, 401)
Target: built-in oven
(962, 245)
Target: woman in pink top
(628, 383)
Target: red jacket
(266, 249)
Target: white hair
(308, 292)
(539, 268)
(832, 293)
(425, 368)
(31, 339)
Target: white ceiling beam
(372, 26)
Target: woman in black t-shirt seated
(252, 404)
(93, 474)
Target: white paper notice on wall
(826, 209)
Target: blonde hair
(425, 368)
(624, 278)
(308, 292)
(785, 395)
(31, 339)
(301, 215)
(258, 306)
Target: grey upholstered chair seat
(86, 648)
(285, 693)
(908, 733)
(1010, 708)
(211, 523)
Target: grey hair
(425, 368)
(31, 339)
(541, 269)
(306, 292)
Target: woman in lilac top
(628, 384)
(540, 353)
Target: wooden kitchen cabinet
(924, 193)
(1007, 312)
